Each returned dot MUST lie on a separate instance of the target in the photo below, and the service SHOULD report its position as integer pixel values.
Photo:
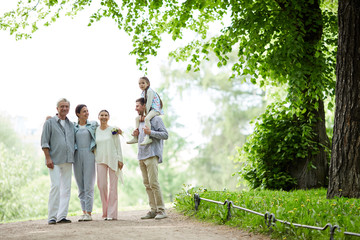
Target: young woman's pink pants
(109, 196)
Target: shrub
(285, 137)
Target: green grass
(308, 207)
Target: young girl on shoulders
(153, 108)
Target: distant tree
(344, 179)
(236, 103)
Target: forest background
(207, 162)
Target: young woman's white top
(108, 149)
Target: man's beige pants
(149, 170)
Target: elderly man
(149, 156)
(57, 143)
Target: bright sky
(89, 65)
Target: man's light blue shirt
(59, 140)
(158, 134)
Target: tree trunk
(312, 172)
(344, 178)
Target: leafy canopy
(267, 34)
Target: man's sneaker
(160, 215)
(52, 221)
(149, 215)
(64, 220)
(132, 141)
(81, 218)
(87, 217)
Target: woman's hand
(116, 130)
(121, 165)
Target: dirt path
(128, 226)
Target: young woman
(84, 165)
(109, 161)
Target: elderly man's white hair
(62, 100)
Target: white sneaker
(146, 141)
(160, 215)
(133, 140)
(87, 217)
(81, 218)
(149, 215)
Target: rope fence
(269, 218)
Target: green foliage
(276, 32)
(12, 168)
(307, 36)
(303, 207)
(17, 168)
(285, 138)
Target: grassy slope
(303, 207)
